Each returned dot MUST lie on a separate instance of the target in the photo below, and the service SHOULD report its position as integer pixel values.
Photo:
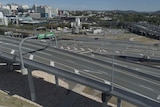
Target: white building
(13, 7)
(96, 30)
(55, 12)
(6, 7)
(3, 20)
(24, 6)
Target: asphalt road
(109, 47)
(88, 68)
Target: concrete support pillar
(56, 80)
(31, 86)
(119, 102)
(105, 98)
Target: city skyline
(137, 5)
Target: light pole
(23, 69)
(112, 77)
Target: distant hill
(133, 12)
(156, 12)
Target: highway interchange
(136, 78)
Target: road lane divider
(52, 63)
(12, 51)
(77, 71)
(31, 57)
(146, 87)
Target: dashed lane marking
(12, 51)
(75, 48)
(68, 48)
(62, 47)
(107, 82)
(146, 87)
(85, 52)
(117, 52)
(104, 51)
(90, 49)
(31, 57)
(77, 71)
(82, 49)
(52, 63)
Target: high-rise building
(46, 11)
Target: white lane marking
(82, 49)
(16, 64)
(146, 87)
(62, 47)
(104, 51)
(100, 50)
(137, 69)
(92, 55)
(68, 48)
(75, 48)
(125, 66)
(117, 52)
(90, 49)
(12, 51)
(31, 57)
(52, 63)
(76, 71)
(141, 54)
(158, 98)
(96, 72)
(2, 64)
(70, 61)
(78, 51)
(115, 63)
(107, 82)
(85, 52)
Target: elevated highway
(110, 47)
(132, 87)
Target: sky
(137, 5)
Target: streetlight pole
(112, 77)
(56, 41)
(23, 69)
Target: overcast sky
(138, 5)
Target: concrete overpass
(81, 69)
